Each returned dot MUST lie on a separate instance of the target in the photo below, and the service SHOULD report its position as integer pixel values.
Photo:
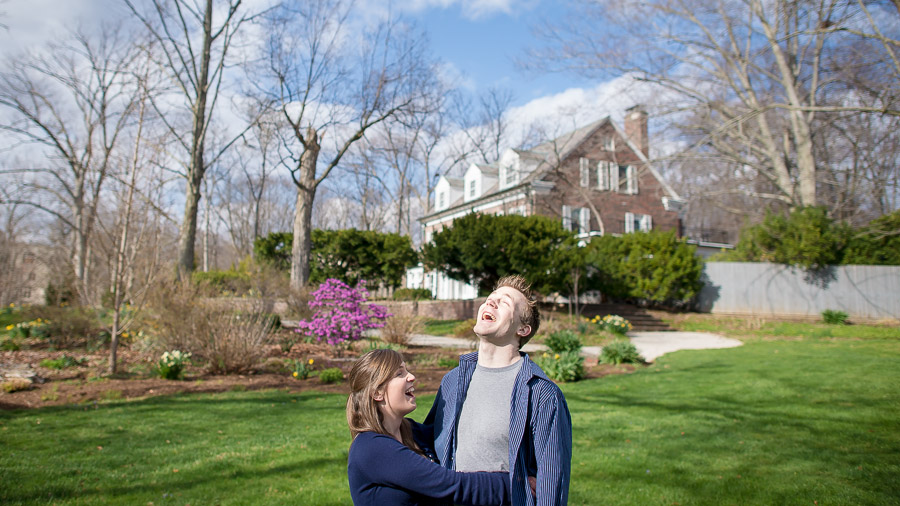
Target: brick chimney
(636, 128)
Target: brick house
(597, 179)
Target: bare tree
(10, 251)
(69, 109)
(748, 82)
(326, 81)
(129, 241)
(246, 206)
(194, 52)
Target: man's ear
(523, 330)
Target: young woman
(386, 466)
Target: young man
(498, 411)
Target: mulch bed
(88, 384)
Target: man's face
(500, 316)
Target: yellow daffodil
(310, 361)
(10, 327)
(556, 356)
(295, 374)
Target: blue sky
(479, 41)
(483, 46)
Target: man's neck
(497, 355)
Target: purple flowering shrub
(341, 313)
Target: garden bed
(86, 384)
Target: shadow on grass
(222, 481)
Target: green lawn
(440, 327)
(771, 422)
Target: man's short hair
(532, 316)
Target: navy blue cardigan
(384, 471)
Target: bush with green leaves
(564, 367)
(878, 243)
(347, 255)
(62, 362)
(833, 317)
(620, 351)
(563, 341)
(482, 248)
(171, 364)
(653, 268)
(331, 375)
(615, 324)
(806, 238)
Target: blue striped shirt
(540, 430)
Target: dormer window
(441, 200)
(472, 188)
(511, 176)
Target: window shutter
(584, 221)
(631, 176)
(602, 175)
(567, 217)
(584, 172)
(614, 176)
(629, 223)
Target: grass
(763, 328)
(776, 421)
(440, 327)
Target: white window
(584, 220)
(576, 219)
(609, 143)
(603, 178)
(638, 223)
(428, 235)
(441, 200)
(616, 174)
(631, 180)
(472, 187)
(585, 172)
(511, 176)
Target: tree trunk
(188, 233)
(306, 194)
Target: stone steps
(640, 319)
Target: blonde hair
(532, 315)
(369, 375)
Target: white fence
(862, 291)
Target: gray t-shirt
(483, 430)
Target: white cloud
(576, 107)
(34, 22)
(472, 9)
(450, 75)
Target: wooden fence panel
(862, 291)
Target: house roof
(548, 155)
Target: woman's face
(398, 397)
